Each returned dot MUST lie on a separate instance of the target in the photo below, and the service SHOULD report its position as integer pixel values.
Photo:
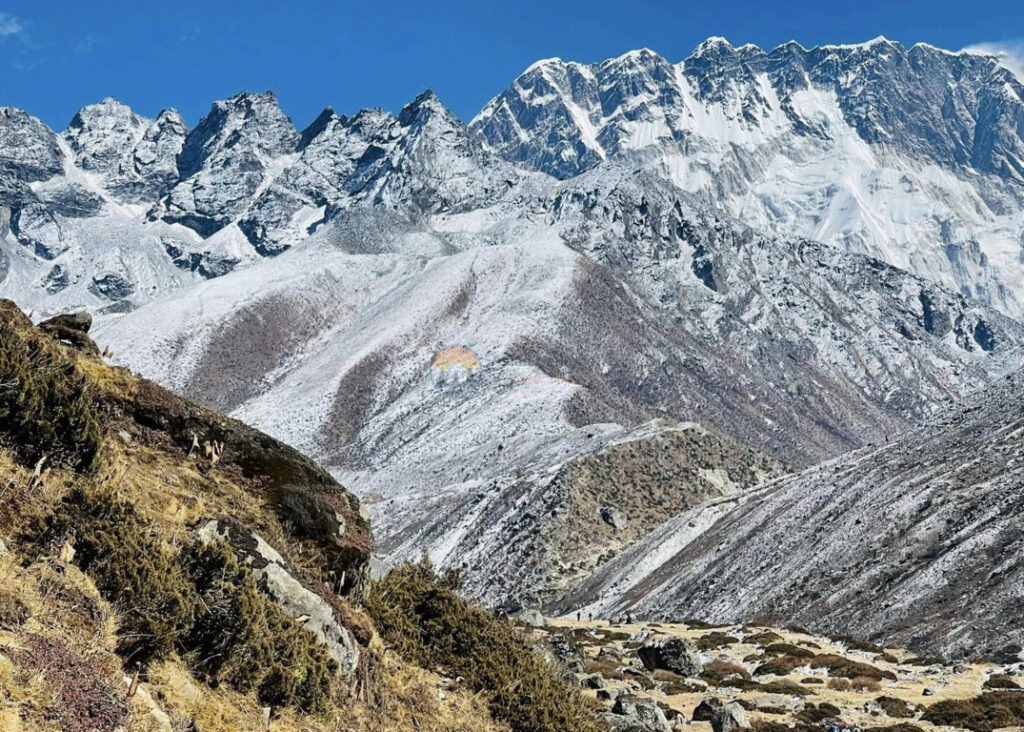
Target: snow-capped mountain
(914, 156)
(915, 541)
(616, 296)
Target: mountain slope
(916, 541)
(589, 320)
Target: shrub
(840, 684)
(815, 713)
(788, 649)
(424, 620)
(199, 601)
(715, 640)
(241, 639)
(984, 713)
(840, 667)
(85, 699)
(147, 584)
(1001, 681)
(13, 612)
(46, 407)
(863, 683)
(781, 666)
(763, 638)
(718, 669)
(895, 708)
(783, 686)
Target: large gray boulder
(675, 654)
(637, 714)
(276, 579)
(729, 717)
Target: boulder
(675, 654)
(593, 681)
(533, 618)
(72, 321)
(610, 652)
(706, 709)
(614, 518)
(566, 652)
(637, 714)
(72, 329)
(729, 717)
(276, 578)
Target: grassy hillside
(118, 609)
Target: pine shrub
(424, 619)
(46, 407)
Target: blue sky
(58, 55)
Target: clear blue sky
(58, 55)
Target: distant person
(577, 616)
(591, 616)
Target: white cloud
(9, 25)
(1009, 53)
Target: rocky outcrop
(73, 329)
(226, 159)
(674, 654)
(277, 579)
(311, 506)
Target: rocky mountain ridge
(915, 541)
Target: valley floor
(816, 681)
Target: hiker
(591, 616)
(577, 616)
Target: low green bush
(424, 619)
(46, 407)
(989, 711)
(241, 639)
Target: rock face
(277, 579)
(917, 528)
(675, 654)
(136, 157)
(731, 124)
(227, 159)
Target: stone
(704, 711)
(564, 650)
(81, 321)
(533, 618)
(277, 580)
(928, 692)
(675, 654)
(637, 714)
(729, 717)
(610, 652)
(593, 681)
(614, 518)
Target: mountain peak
(426, 106)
